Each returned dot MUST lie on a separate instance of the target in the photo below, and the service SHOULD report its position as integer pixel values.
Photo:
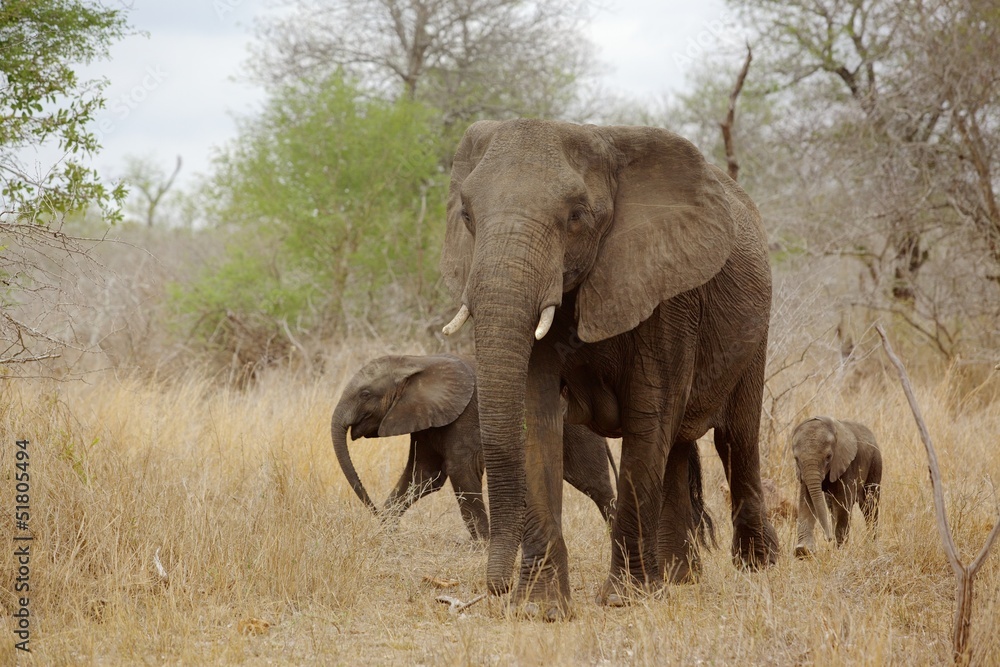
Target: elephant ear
(672, 230)
(456, 255)
(433, 391)
(845, 448)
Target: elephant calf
(433, 398)
(838, 465)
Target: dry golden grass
(272, 560)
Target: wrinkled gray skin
(838, 464)
(433, 399)
(656, 265)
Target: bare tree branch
(889, 110)
(151, 182)
(449, 53)
(727, 124)
(56, 300)
(27, 360)
(964, 575)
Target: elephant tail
(704, 527)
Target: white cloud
(639, 39)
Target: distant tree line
(333, 196)
(867, 130)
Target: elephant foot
(542, 590)
(497, 586)
(541, 602)
(548, 612)
(618, 593)
(499, 569)
(803, 551)
(755, 549)
(682, 570)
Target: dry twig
(727, 125)
(964, 574)
(456, 606)
(160, 570)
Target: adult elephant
(642, 273)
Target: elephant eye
(467, 219)
(364, 393)
(576, 217)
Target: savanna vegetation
(173, 359)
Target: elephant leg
(543, 584)
(870, 492)
(677, 555)
(843, 503)
(634, 562)
(755, 543)
(869, 506)
(585, 466)
(423, 474)
(651, 419)
(467, 481)
(805, 544)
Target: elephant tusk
(544, 322)
(457, 322)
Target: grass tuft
(271, 558)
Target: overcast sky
(177, 90)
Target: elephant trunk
(502, 354)
(814, 486)
(509, 291)
(338, 430)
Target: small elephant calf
(433, 398)
(838, 464)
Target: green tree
(43, 101)
(44, 104)
(330, 196)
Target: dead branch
(456, 606)
(27, 360)
(727, 125)
(964, 574)
(160, 570)
(143, 177)
(306, 359)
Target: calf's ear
(845, 448)
(433, 392)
